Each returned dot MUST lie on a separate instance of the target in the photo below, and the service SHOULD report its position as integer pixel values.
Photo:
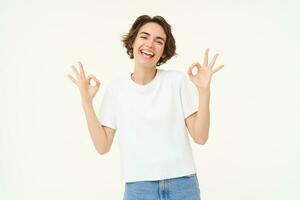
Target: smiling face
(149, 44)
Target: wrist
(204, 90)
(86, 102)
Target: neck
(143, 75)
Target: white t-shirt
(149, 120)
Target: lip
(147, 50)
(146, 58)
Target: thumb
(190, 72)
(90, 76)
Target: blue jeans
(180, 188)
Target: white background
(45, 148)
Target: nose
(149, 43)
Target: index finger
(190, 72)
(81, 69)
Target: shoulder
(175, 75)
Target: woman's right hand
(87, 91)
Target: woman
(151, 110)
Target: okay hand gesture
(204, 72)
(87, 91)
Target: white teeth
(147, 52)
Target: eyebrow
(158, 37)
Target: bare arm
(198, 123)
(101, 136)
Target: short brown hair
(170, 46)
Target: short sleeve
(188, 97)
(106, 113)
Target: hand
(204, 72)
(87, 91)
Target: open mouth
(147, 54)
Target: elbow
(201, 141)
(201, 138)
(101, 151)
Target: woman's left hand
(204, 73)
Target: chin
(147, 64)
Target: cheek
(161, 49)
(137, 43)
(135, 47)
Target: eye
(143, 37)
